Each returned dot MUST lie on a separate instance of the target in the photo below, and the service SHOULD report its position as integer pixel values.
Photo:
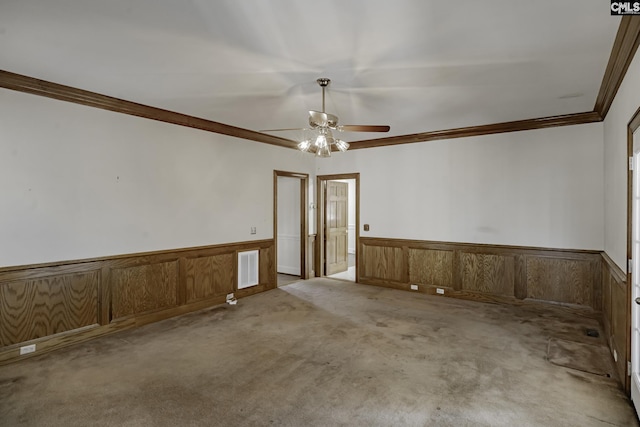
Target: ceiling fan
(322, 124)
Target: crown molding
(60, 92)
(515, 126)
(622, 53)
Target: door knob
(638, 300)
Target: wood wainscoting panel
(615, 315)
(487, 273)
(383, 263)
(57, 304)
(561, 280)
(606, 300)
(267, 268)
(431, 267)
(38, 307)
(619, 326)
(484, 272)
(209, 276)
(142, 288)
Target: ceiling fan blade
(280, 130)
(364, 128)
(323, 120)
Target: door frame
(304, 219)
(632, 126)
(320, 222)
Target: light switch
(366, 227)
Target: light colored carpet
(285, 279)
(593, 359)
(349, 275)
(321, 353)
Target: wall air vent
(248, 269)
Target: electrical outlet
(253, 230)
(440, 291)
(231, 299)
(27, 349)
(414, 287)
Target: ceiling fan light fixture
(318, 138)
(324, 151)
(304, 146)
(342, 145)
(321, 141)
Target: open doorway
(290, 225)
(338, 226)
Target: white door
(635, 275)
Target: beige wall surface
(78, 182)
(533, 188)
(624, 106)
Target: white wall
(534, 188)
(289, 225)
(624, 106)
(78, 182)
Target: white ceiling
(416, 65)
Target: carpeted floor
(285, 279)
(349, 274)
(322, 353)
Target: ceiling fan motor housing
(323, 122)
